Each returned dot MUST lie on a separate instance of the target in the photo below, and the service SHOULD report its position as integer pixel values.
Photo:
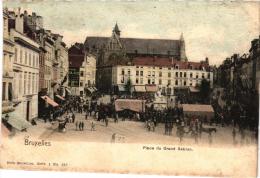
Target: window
(129, 72)
(180, 74)
(169, 74)
(33, 82)
(190, 83)
(37, 61)
(20, 83)
(190, 67)
(176, 82)
(184, 83)
(169, 68)
(176, 74)
(197, 75)
(160, 81)
(141, 80)
(21, 55)
(203, 75)
(33, 60)
(153, 81)
(149, 73)
(153, 73)
(29, 83)
(137, 81)
(123, 72)
(160, 74)
(3, 91)
(184, 74)
(81, 84)
(191, 75)
(15, 55)
(30, 56)
(149, 81)
(169, 91)
(81, 73)
(137, 73)
(25, 57)
(24, 84)
(176, 67)
(208, 75)
(160, 68)
(141, 73)
(169, 82)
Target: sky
(211, 29)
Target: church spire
(116, 30)
(183, 56)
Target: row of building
(239, 76)
(35, 64)
(156, 64)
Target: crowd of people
(193, 125)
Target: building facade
(166, 74)
(26, 75)
(8, 55)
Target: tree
(128, 86)
(204, 90)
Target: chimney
(19, 20)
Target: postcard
(131, 87)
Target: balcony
(7, 106)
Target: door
(28, 111)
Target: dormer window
(190, 67)
(176, 66)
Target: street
(126, 132)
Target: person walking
(77, 124)
(73, 117)
(92, 126)
(82, 126)
(234, 136)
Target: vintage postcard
(132, 87)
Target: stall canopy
(198, 109)
(121, 88)
(68, 90)
(130, 104)
(151, 88)
(140, 88)
(60, 97)
(194, 90)
(50, 101)
(90, 89)
(17, 122)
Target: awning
(151, 88)
(5, 132)
(90, 89)
(68, 90)
(17, 122)
(198, 110)
(60, 97)
(50, 101)
(194, 90)
(140, 88)
(121, 87)
(130, 104)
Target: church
(116, 51)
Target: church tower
(183, 56)
(116, 30)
